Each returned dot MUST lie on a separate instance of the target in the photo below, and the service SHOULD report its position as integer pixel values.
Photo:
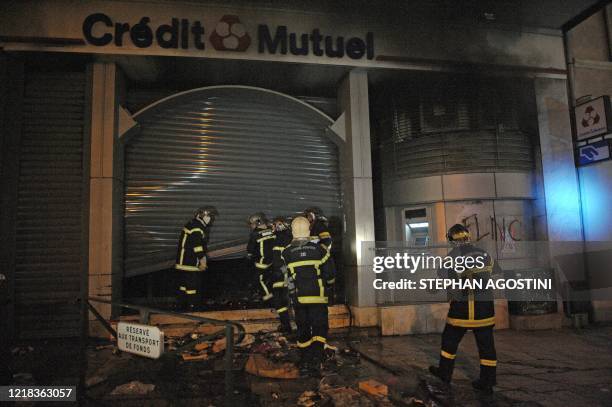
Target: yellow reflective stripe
(304, 344)
(471, 306)
(476, 323)
(191, 292)
(304, 263)
(198, 249)
(190, 231)
(265, 287)
(319, 339)
(186, 268)
(268, 296)
(183, 249)
(262, 266)
(261, 244)
(321, 288)
(283, 309)
(333, 280)
(487, 362)
(279, 284)
(447, 355)
(326, 257)
(485, 269)
(327, 346)
(278, 248)
(312, 300)
(181, 288)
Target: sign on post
(142, 340)
(594, 152)
(593, 118)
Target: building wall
(589, 49)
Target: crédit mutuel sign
(229, 34)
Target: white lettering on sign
(143, 340)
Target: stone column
(106, 192)
(356, 163)
(561, 186)
(560, 177)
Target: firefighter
(319, 231)
(319, 228)
(309, 271)
(282, 230)
(469, 310)
(259, 251)
(191, 257)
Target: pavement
(565, 367)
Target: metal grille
(446, 126)
(240, 149)
(49, 215)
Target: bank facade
(120, 117)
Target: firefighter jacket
(319, 230)
(259, 248)
(282, 240)
(309, 267)
(472, 308)
(192, 245)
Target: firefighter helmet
(300, 228)
(206, 213)
(281, 223)
(257, 219)
(458, 233)
(313, 213)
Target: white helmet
(300, 228)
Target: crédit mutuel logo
(229, 34)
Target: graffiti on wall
(506, 228)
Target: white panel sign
(143, 340)
(592, 118)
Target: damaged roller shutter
(239, 149)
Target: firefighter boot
(487, 379)
(444, 371)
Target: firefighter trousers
(280, 302)
(312, 326)
(451, 337)
(264, 284)
(189, 290)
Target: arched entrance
(241, 149)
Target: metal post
(145, 316)
(229, 362)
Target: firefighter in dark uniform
(309, 272)
(280, 300)
(191, 257)
(259, 251)
(319, 231)
(469, 310)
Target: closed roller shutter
(449, 125)
(49, 211)
(240, 149)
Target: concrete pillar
(560, 177)
(356, 172)
(560, 182)
(106, 191)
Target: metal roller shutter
(240, 149)
(445, 125)
(49, 209)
